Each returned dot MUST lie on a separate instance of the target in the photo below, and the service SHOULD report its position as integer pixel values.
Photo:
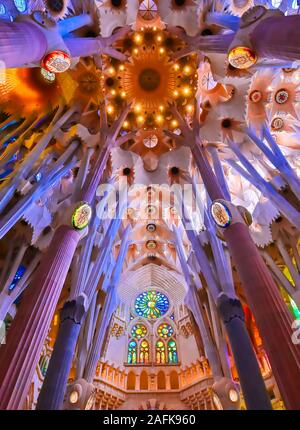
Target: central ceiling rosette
(151, 80)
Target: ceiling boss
(151, 80)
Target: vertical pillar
(250, 377)
(28, 331)
(21, 43)
(277, 37)
(52, 393)
(272, 316)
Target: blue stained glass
(21, 5)
(132, 352)
(2, 9)
(151, 305)
(19, 273)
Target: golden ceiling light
(151, 244)
(26, 91)
(242, 57)
(149, 79)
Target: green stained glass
(165, 331)
(151, 304)
(138, 331)
(144, 352)
(132, 352)
(172, 352)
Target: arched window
(132, 352)
(2, 9)
(131, 381)
(174, 380)
(172, 352)
(161, 381)
(160, 352)
(144, 381)
(144, 352)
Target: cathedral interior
(150, 204)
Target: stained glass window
(19, 273)
(144, 352)
(151, 304)
(138, 331)
(21, 5)
(172, 352)
(132, 352)
(2, 9)
(165, 331)
(160, 352)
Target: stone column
(28, 331)
(252, 383)
(52, 393)
(21, 43)
(272, 316)
(277, 37)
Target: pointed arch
(132, 352)
(161, 380)
(144, 381)
(131, 381)
(172, 352)
(160, 350)
(174, 380)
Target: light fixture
(151, 228)
(56, 62)
(277, 124)
(48, 76)
(242, 57)
(81, 216)
(151, 244)
(255, 96)
(221, 214)
(233, 395)
(74, 396)
(282, 96)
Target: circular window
(151, 305)
(277, 124)
(138, 331)
(165, 331)
(281, 96)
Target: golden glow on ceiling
(151, 80)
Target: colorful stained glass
(151, 305)
(138, 331)
(18, 275)
(21, 5)
(132, 352)
(165, 331)
(172, 352)
(160, 352)
(144, 352)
